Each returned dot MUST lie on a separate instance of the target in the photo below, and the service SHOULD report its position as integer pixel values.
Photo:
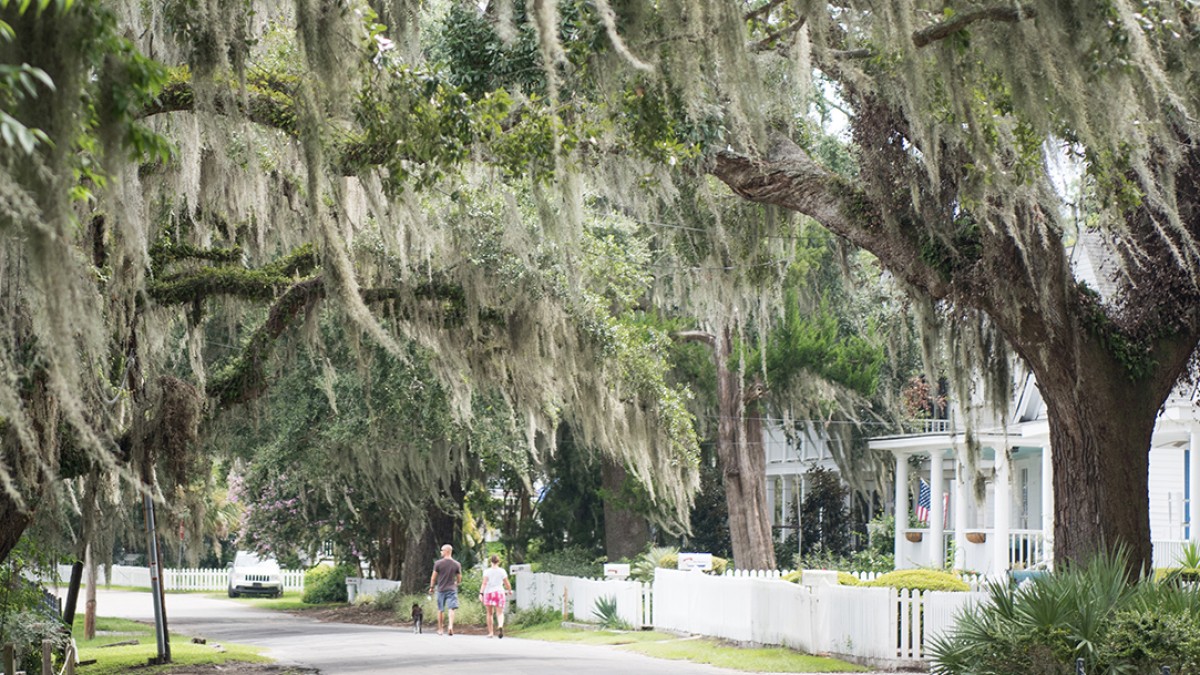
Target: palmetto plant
(1091, 612)
(606, 612)
(1189, 557)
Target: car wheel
(232, 593)
(279, 593)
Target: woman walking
(494, 594)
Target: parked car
(252, 575)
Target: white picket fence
(975, 582)
(883, 627)
(578, 596)
(178, 579)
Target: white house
(789, 458)
(1011, 525)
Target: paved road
(336, 648)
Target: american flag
(923, 496)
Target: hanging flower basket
(976, 537)
(914, 537)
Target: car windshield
(245, 559)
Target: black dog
(418, 617)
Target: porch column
(1193, 495)
(1003, 508)
(801, 493)
(959, 497)
(771, 505)
(901, 506)
(786, 491)
(1047, 503)
(937, 509)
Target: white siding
(1166, 493)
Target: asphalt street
(336, 648)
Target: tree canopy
(500, 184)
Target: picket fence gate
(883, 627)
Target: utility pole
(155, 563)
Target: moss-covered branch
(222, 279)
(259, 102)
(944, 29)
(789, 178)
(243, 378)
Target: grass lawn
(555, 633)
(760, 659)
(125, 658)
(697, 650)
(289, 601)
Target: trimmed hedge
(920, 580)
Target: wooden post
(564, 611)
(47, 657)
(10, 664)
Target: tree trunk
(422, 551)
(743, 466)
(626, 533)
(1101, 426)
(15, 521)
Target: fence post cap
(819, 578)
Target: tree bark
(743, 467)
(626, 533)
(422, 551)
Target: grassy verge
(555, 633)
(289, 601)
(125, 658)
(762, 659)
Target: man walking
(447, 575)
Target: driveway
(336, 648)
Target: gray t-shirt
(447, 570)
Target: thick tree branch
(943, 30)
(769, 41)
(790, 179)
(243, 378)
(696, 336)
(762, 11)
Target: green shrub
(389, 600)
(570, 562)
(472, 581)
(1143, 641)
(327, 584)
(643, 568)
(793, 577)
(1091, 612)
(919, 580)
(535, 616)
(847, 579)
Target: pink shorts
(495, 599)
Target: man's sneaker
(500, 632)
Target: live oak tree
(958, 113)
(276, 167)
(325, 135)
